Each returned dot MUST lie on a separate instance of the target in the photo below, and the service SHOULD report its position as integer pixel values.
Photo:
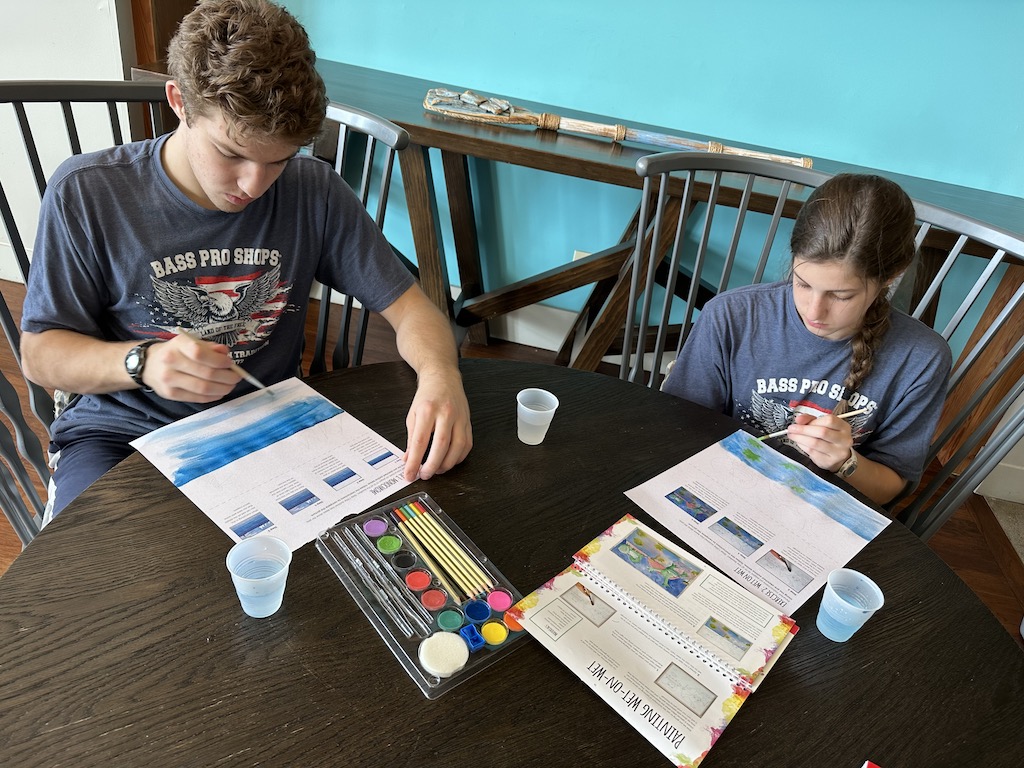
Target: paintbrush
(781, 432)
(234, 366)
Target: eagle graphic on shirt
(236, 311)
(766, 416)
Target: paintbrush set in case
(432, 595)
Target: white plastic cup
(259, 571)
(534, 410)
(849, 600)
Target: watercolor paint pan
(435, 599)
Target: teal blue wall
(929, 89)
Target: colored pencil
(480, 581)
(459, 575)
(456, 550)
(452, 559)
(456, 545)
(781, 432)
(420, 550)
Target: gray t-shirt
(121, 253)
(750, 356)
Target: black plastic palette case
(431, 594)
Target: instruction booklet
(672, 644)
(285, 461)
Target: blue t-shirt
(121, 253)
(750, 356)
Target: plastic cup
(259, 570)
(534, 410)
(849, 600)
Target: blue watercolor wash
(819, 493)
(200, 457)
(339, 477)
(251, 526)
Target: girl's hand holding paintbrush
(827, 440)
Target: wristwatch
(135, 362)
(849, 466)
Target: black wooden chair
(360, 135)
(55, 119)
(701, 215)
(711, 222)
(969, 286)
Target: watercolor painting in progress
(293, 463)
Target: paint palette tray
(431, 594)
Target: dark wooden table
(122, 642)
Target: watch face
(849, 467)
(133, 361)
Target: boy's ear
(174, 100)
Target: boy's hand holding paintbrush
(191, 369)
(232, 365)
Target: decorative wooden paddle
(480, 109)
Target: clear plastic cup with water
(259, 571)
(849, 600)
(535, 408)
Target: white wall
(1006, 481)
(56, 40)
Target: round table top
(124, 644)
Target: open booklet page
(287, 461)
(762, 518)
(680, 687)
(738, 630)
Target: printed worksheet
(760, 517)
(286, 461)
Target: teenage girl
(797, 353)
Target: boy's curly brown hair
(252, 60)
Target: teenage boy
(219, 228)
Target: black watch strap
(135, 362)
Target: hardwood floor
(971, 543)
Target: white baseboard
(1005, 482)
(534, 326)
